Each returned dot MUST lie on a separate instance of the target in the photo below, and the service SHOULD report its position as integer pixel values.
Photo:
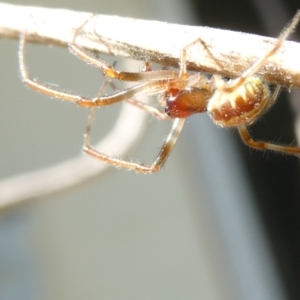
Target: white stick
(229, 53)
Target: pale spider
(235, 103)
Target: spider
(234, 103)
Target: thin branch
(229, 52)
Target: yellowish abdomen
(242, 106)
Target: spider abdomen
(241, 106)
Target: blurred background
(220, 221)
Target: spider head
(185, 102)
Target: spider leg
(141, 168)
(38, 86)
(148, 86)
(274, 95)
(261, 145)
(161, 115)
(183, 56)
(87, 135)
(145, 87)
(109, 70)
(234, 84)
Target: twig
(155, 41)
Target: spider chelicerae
(234, 103)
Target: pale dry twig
(229, 52)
